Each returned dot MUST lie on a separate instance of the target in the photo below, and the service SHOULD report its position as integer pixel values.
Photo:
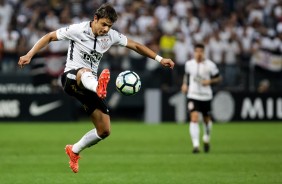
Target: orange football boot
(73, 158)
(103, 81)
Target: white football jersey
(85, 50)
(197, 72)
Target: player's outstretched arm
(145, 51)
(213, 80)
(41, 43)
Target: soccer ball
(128, 83)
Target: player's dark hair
(106, 11)
(199, 45)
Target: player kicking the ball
(87, 43)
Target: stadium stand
(239, 35)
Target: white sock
(89, 139)
(89, 81)
(207, 132)
(195, 134)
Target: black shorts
(89, 99)
(201, 106)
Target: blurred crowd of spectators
(231, 30)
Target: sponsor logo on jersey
(93, 57)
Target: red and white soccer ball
(128, 83)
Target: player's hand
(184, 88)
(167, 63)
(24, 60)
(206, 82)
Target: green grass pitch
(137, 153)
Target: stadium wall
(226, 107)
(20, 100)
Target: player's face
(199, 54)
(102, 26)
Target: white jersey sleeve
(118, 38)
(213, 69)
(68, 33)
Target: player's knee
(194, 117)
(104, 133)
(80, 73)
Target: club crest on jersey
(104, 43)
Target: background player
(88, 41)
(200, 74)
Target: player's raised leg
(86, 79)
(103, 81)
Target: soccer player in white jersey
(200, 74)
(88, 41)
